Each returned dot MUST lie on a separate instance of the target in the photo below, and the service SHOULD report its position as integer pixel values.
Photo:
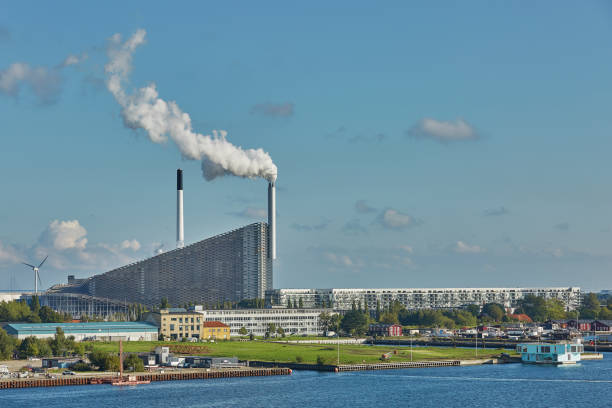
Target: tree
(48, 315)
(288, 303)
(133, 362)
(605, 314)
(354, 322)
(494, 310)
(280, 331)
(8, 345)
(555, 309)
(534, 307)
(473, 309)
(271, 328)
(58, 343)
(35, 305)
(104, 361)
(591, 306)
(29, 347)
(389, 318)
(300, 303)
(164, 303)
(377, 310)
(243, 331)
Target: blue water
(587, 384)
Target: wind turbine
(36, 275)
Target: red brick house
(385, 330)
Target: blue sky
(429, 144)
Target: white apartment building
(256, 321)
(413, 298)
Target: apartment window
(171, 327)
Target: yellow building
(178, 323)
(215, 331)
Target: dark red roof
(521, 317)
(215, 324)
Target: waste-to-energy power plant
(232, 266)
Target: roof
(72, 328)
(214, 324)
(521, 317)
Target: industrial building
(412, 298)
(105, 331)
(232, 266)
(256, 321)
(227, 267)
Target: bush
(133, 362)
(81, 366)
(321, 360)
(299, 359)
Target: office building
(257, 321)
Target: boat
(132, 379)
(550, 353)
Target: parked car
(68, 373)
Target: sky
(418, 144)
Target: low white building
(113, 331)
(256, 321)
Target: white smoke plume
(143, 109)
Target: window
(171, 327)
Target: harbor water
(506, 385)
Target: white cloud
(73, 60)
(62, 235)
(8, 254)
(394, 219)
(463, 248)
(130, 244)
(444, 131)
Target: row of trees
(21, 311)
(59, 345)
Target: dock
(174, 376)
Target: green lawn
(349, 354)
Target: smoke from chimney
(143, 109)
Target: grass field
(308, 353)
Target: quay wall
(192, 375)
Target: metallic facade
(227, 267)
(411, 298)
